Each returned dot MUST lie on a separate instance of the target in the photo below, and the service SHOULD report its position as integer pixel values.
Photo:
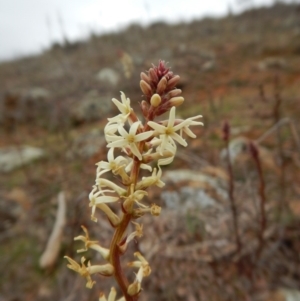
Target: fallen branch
(50, 254)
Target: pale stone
(108, 76)
(12, 157)
(194, 190)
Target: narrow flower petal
(143, 136)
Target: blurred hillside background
(211, 241)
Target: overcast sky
(28, 26)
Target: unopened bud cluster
(134, 144)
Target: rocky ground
(244, 69)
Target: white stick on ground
(50, 254)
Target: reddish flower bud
(153, 76)
(145, 77)
(173, 93)
(162, 70)
(146, 89)
(161, 85)
(172, 82)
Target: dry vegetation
(244, 69)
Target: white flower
(153, 209)
(112, 126)
(111, 297)
(141, 263)
(169, 147)
(190, 122)
(135, 287)
(135, 197)
(114, 122)
(144, 271)
(137, 233)
(164, 156)
(124, 106)
(130, 138)
(113, 164)
(90, 244)
(154, 179)
(168, 132)
(99, 198)
(106, 183)
(87, 271)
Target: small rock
(37, 94)
(208, 66)
(108, 76)
(284, 294)
(272, 63)
(291, 294)
(193, 190)
(12, 158)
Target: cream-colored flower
(169, 148)
(135, 197)
(124, 106)
(144, 271)
(112, 217)
(113, 164)
(137, 233)
(168, 132)
(190, 122)
(89, 244)
(154, 179)
(87, 271)
(112, 126)
(98, 197)
(130, 138)
(153, 209)
(135, 287)
(106, 183)
(141, 263)
(163, 156)
(111, 297)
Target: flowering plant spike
(134, 144)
